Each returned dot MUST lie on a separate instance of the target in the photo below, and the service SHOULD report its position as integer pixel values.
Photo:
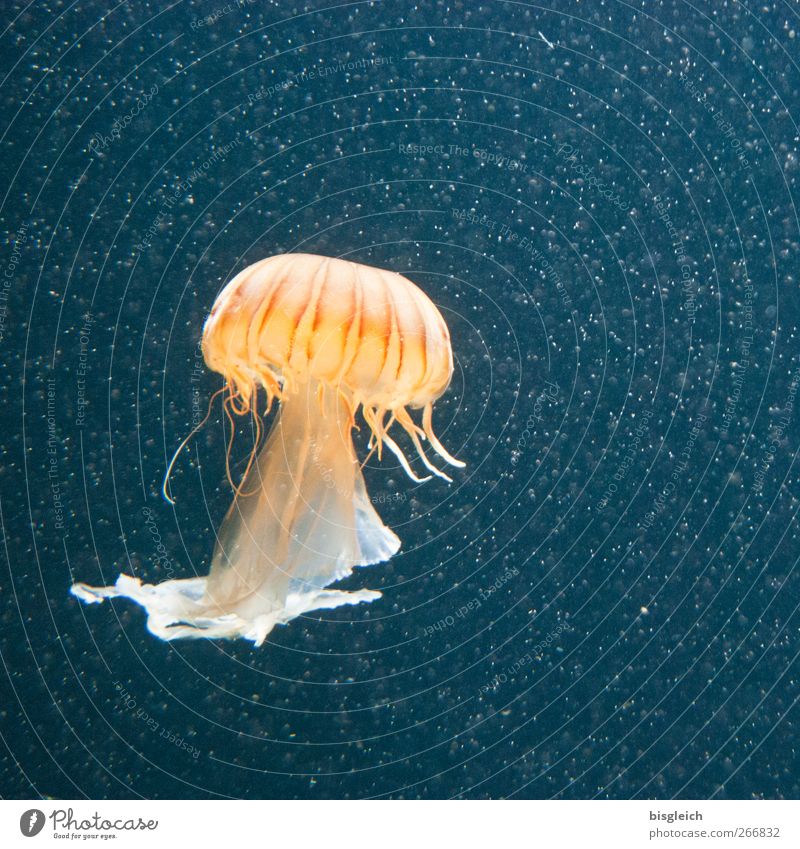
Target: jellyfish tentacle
(427, 424)
(192, 432)
(321, 398)
(380, 418)
(404, 417)
(374, 417)
(408, 425)
(271, 385)
(350, 405)
(243, 388)
(366, 460)
(238, 404)
(397, 451)
(369, 417)
(253, 453)
(225, 404)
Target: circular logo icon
(31, 822)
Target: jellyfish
(335, 343)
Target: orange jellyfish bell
(330, 340)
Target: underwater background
(602, 199)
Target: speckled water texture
(601, 200)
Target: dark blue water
(601, 198)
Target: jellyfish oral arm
(302, 520)
(168, 618)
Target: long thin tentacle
(253, 453)
(413, 430)
(271, 385)
(192, 432)
(395, 449)
(427, 424)
(369, 417)
(226, 401)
